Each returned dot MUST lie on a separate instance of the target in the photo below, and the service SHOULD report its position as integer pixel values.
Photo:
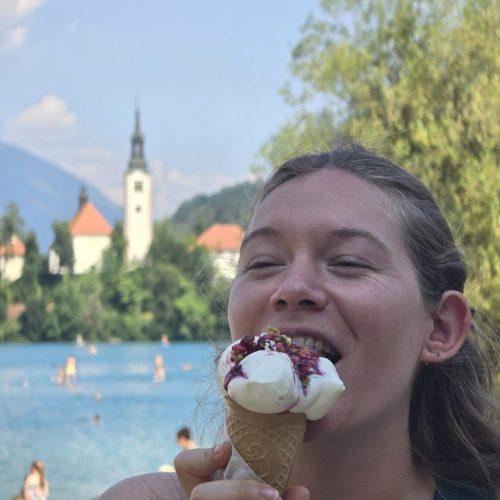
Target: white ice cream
(270, 384)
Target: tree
(118, 242)
(66, 318)
(419, 81)
(11, 224)
(28, 285)
(4, 302)
(32, 320)
(63, 246)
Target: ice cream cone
(268, 443)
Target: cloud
(11, 10)
(14, 21)
(48, 121)
(97, 165)
(11, 39)
(49, 129)
(173, 186)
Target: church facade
(91, 232)
(138, 209)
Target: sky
(205, 74)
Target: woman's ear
(452, 320)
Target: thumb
(198, 465)
(297, 493)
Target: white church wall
(88, 252)
(138, 215)
(11, 268)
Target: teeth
(300, 341)
(319, 345)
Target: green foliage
(195, 315)
(231, 205)
(174, 292)
(4, 302)
(27, 287)
(420, 81)
(118, 243)
(66, 318)
(11, 223)
(10, 331)
(32, 320)
(63, 246)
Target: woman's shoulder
(153, 486)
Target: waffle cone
(268, 443)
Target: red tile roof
(88, 221)
(14, 247)
(15, 310)
(222, 237)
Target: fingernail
(268, 493)
(218, 449)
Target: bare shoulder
(153, 486)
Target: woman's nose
(300, 288)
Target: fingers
(195, 469)
(297, 493)
(234, 490)
(199, 465)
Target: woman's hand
(195, 470)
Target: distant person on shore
(36, 485)
(184, 439)
(60, 376)
(70, 370)
(159, 370)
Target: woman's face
(324, 258)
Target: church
(91, 232)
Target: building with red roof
(91, 236)
(223, 242)
(12, 259)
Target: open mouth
(325, 350)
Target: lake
(113, 423)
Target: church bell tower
(138, 223)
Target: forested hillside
(230, 205)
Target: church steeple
(82, 196)
(138, 206)
(137, 160)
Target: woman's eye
(351, 262)
(261, 264)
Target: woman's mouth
(323, 349)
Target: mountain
(229, 205)
(44, 192)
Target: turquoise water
(138, 419)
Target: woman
(348, 248)
(36, 486)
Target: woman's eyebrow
(342, 233)
(346, 233)
(259, 232)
